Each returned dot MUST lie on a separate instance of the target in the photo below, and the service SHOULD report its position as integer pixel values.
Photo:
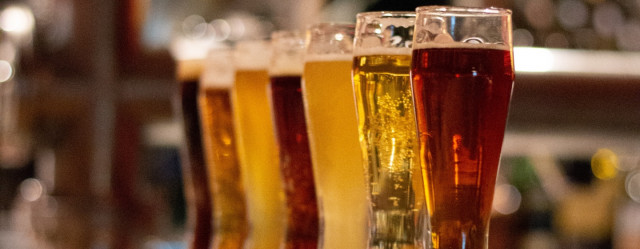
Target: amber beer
(291, 134)
(462, 91)
(333, 136)
(230, 225)
(257, 145)
(387, 127)
(193, 163)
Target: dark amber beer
(462, 80)
(193, 164)
(230, 225)
(293, 143)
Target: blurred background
(89, 145)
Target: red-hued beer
(193, 162)
(293, 143)
(462, 81)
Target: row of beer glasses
(386, 134)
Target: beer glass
(462, 72)
(333, 136)
(285, 72)
(257, 145)
(387, 127)
(227, 193)
(192, 158)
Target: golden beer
(387, 128)
(389, 144)
(229, 211)
(257, 146)
(335, 153)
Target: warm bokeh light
(507, 199)
(17, 19)
(6, 71)
(532, 59)
(31, 189)
(604, 164)
(529, 59)
(632, 185)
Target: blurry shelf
(596, 92)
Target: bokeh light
(17, 19)
(31, 189)
(194, 26)
(572, 14)
(6, 71)
(556, 40)
(607, 17)
(507, 199)
(604, 164)
(522, 37)
(539, 13)
(532, 59)
(632, 186)
(628, 36)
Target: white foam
(381, 51)
(328, 57)
(460, 45)
(252, 55)
(286, 68)
(218, 69)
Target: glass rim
(386, 13)
(331, 24)
(462, 11)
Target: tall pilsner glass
(462, 73)
(227, 193)
(196, 183)
(257, 145)
(285, 72)
(386, 122)
(333, 136)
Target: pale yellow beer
(335, 151)
(257, 146)
(230, 225)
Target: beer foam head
(462, 27)
(382, 51)
(288, 53)
(287, 67)
(328, 57)
(189, 70)
(252, 55)
(453, 44)
(218, 69)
